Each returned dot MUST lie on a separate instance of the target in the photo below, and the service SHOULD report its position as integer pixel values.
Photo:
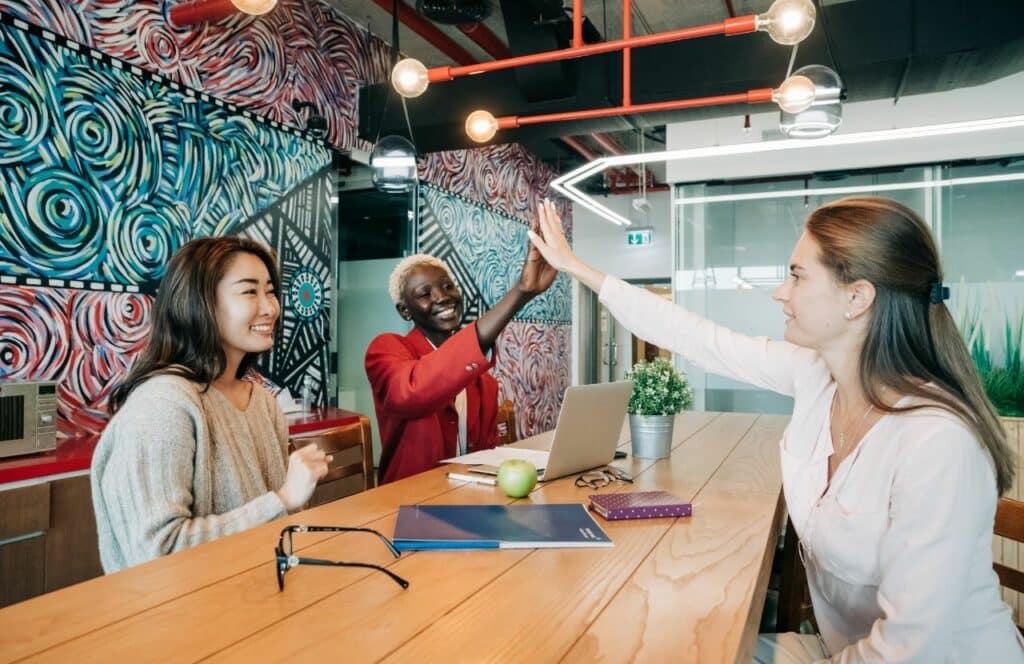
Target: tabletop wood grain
(676, 589)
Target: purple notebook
(639, 505)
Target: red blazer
(414, 389)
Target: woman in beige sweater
(193, 450)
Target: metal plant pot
(651, 435)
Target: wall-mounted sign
(639, 237)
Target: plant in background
(658, 389)
(1004, 385)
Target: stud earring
(846, 315)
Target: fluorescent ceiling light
(566, 184)
(393, 162)
(858, 189)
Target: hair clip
(939, 293)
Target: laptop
(585, 437)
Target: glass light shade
(788, 21)
(393, 165)
(795, 94)
(481, 126)
(409, 78)
(254, 7)
(825, 115)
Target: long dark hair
(912, 343)
(184, 339)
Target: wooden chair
(1010, 524)
(336, 441)
(507, 423)
(794, 595)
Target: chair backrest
(507, 423)
(338, 439)
(1010, 524)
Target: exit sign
(638, 237)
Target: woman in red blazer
(427, 381)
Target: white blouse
(898, 547)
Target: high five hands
(537, 274)
(555, 249)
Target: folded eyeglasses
(286, 558)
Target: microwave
(28, 417)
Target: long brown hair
(912, 343)
(184, 339)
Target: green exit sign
(639, 237)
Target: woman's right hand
(306, 466)
(555, 249)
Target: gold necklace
(842, 434)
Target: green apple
(517, 477)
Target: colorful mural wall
(104, 172)
(125, 136)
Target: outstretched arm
(536, 277)
(768, 364)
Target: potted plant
(659, 392)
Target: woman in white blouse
(893, 459)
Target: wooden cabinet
(47, 538)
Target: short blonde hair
(396, 283)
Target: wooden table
(680, 590)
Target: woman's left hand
(537, 275)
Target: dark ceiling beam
(430, 32)
(729, 8)
(483, 37)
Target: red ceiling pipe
(201, 11)
(577, 23)
(627, 54)
(608, 143)
(732, 26)
(756, 96)
(578, 146)
(424, 28)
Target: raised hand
(555, 249)
(537, 275)
(549, 239)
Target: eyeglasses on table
(595, 479)
(285, 557)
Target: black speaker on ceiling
(454, 12)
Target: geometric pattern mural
(299, 229)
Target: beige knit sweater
(177, 467)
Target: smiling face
(432, 301)
(247, 307)
(813, 302)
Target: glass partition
(734, 239)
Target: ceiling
(881, 49)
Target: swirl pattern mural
(301, 50)
(83, 340)
(533, 371)
(106, 169)
(506, 178)
(105, 174)
(489, 250)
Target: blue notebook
(555, 525)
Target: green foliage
(658, 389)
(1003, 385)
